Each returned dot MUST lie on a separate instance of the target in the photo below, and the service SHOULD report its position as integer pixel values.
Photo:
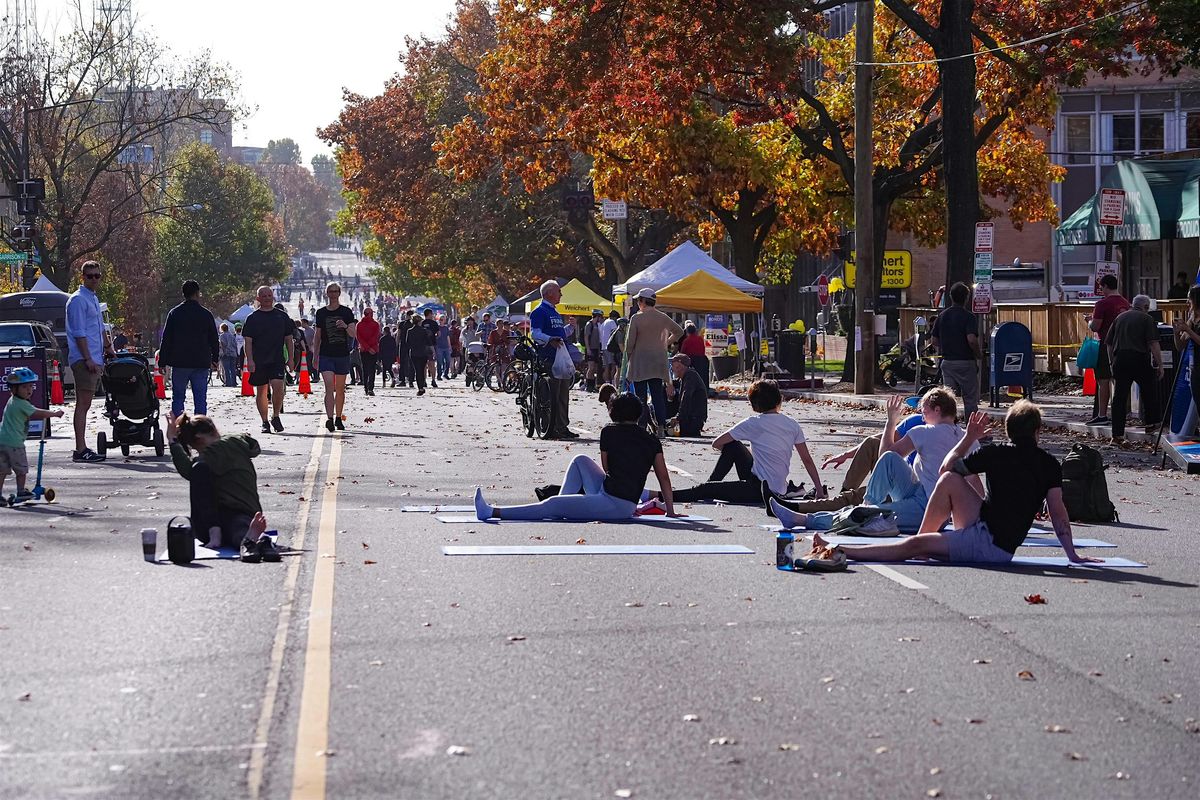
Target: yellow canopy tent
(702, 292)
(577, 301)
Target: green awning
(1162, 201)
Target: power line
(1014, 45)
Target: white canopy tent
(44, 284)
(241, 314)
(681, 262)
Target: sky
(294, 56)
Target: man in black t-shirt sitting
(1021, 476)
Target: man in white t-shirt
(773, 437)
(894, 484)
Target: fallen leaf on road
(789, 746)
(634, 604)
(982, 661)
(881, 750)
(909, 639)
(722, 740)
(516, 638)
(827, 679)
(1026, 675)
(458, 750)
(368, 561)
(935, 771)
(691, 717)
(934, 793)
(973, 721)
(1075, 757)
(1035, 600)
(25, 698)
(1056, 729)
(1119, 776)
(623, 793)
(581, 540)
(286, 491)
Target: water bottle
(783, 550)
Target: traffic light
(29, 275)
(578, 204)
(845, 246)
(22, 236)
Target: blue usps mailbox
(1012, 360)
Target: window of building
(206, 137)
(1079, 140)
(1124, 133)
(1193, 130)
(1150, 131)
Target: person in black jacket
(418, 342)
(388, 350)
(691, 397)
(403, 362)
(190, 348)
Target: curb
(1101, 432)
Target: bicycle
(473, 371)
(533, 389)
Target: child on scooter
(15, 428)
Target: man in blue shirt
(87, 342)
(546, 327)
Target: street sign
(18, 257)
(1112, 207)
(985, 236)
(897, 270)
(614, 209)
(983, 267)
(823, 290)
(981, 303)
(1104, 268)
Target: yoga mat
(597, 549)
(225, 553)
(438, 509)
(655, 518)
(1031, 540)
(1023, 561)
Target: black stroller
(130, 404)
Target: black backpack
(613, 345)
(1085, 492)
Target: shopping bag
(1089, 354)
(563, 367)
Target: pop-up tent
(44, 284)
(677, 265)
(241, 314)
(702, 292)
(578, 301)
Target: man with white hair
(546, 327)
(1136, 357)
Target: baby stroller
(901, 364)
(130, 405)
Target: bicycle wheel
(512, 380)
(495, 376)
(541, 406)
(524, 402)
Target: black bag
(1085, 492)
(614, 343)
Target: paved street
(371, 666)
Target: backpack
(1085, 492)
(614, 343)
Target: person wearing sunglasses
(87, 344)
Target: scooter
(39, 492)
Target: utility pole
(864, 220)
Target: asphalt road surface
(370, 665)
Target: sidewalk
(1058, 411)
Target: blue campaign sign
(1182, 402)
(35, 359)
(716, 321)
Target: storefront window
(1124, 133)
(1079, 140)
(1151, 134)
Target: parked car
(30, 333)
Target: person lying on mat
(1021, 476)
(612, 488)
(225, 508)
(894, 484)
(772, 436)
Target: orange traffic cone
(160, 386)
(246, 390)
(1089, 383)
(305, 380)
(56, 385)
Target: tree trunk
(747, 227)
(960, 167)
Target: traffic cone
(56, 385)
(305, 380)
(246, 390)
(160, 386)
(1089, 383)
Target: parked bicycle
(532, 378)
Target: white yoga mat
(598, 549)
(225, 553)
(1025, 561)
(1034, 539)
(438, 509)
(651, 518)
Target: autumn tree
(103, 99)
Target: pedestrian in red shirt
(692, 346)
(368, 348)
(1108, 308)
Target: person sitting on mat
(772, 436)
(612, 488)
(1021, 476)
(894, 485)
(689, 408)
(225, 508)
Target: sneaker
(542, 492)
(568, 434)
(87, 456)
(822, 559)
(250, 553)
(329, 425)
(420, 392)
(267, 550)
(1099, 421)
(266, 427)
(277, 424)
(337, 423)
(882, 525)
(433, 384)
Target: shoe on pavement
(433, 384)
(420, 392)
(882, 525)
(337, 423)
(329, 425)
(549, 490)
(87, 456)
(267, 550)
(250, 553)
(1099, 421)
(266, 427)
(822, 559)
(568, 434)
(277, 424)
